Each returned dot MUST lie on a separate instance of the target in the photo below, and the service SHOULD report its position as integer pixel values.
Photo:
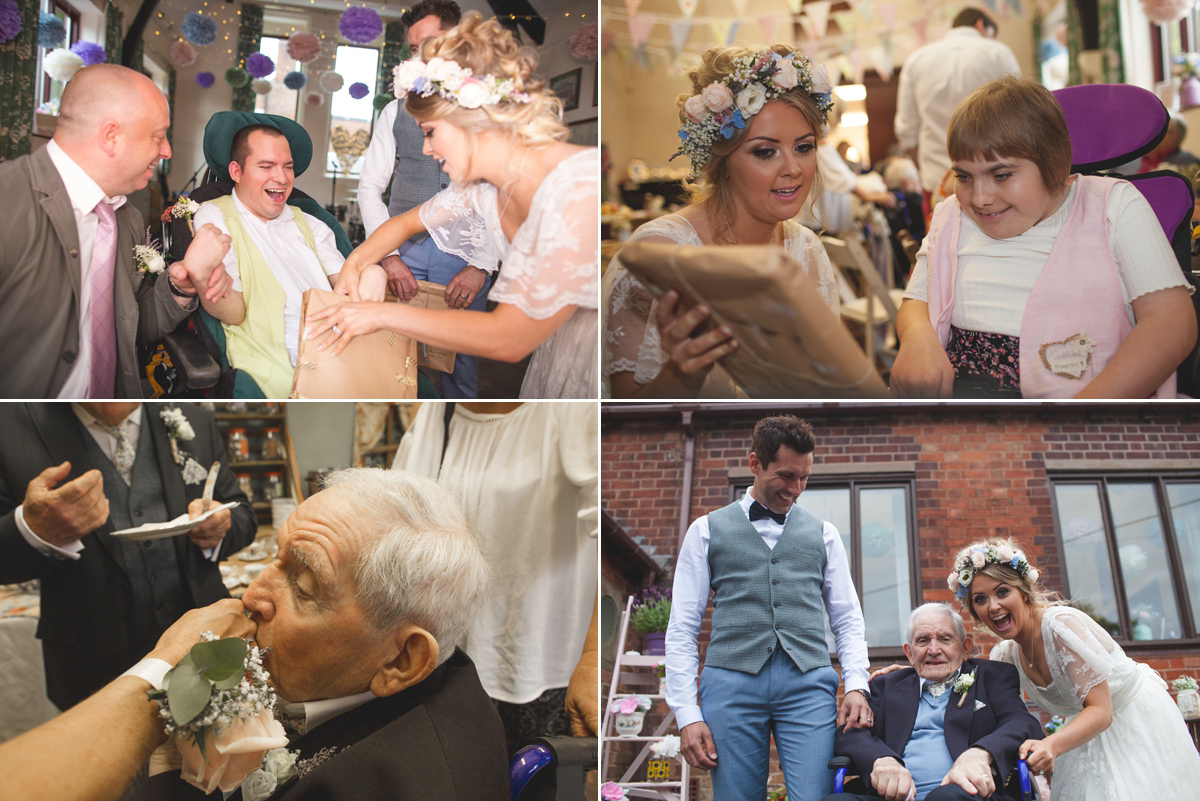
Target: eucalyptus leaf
(188, 694)
(219, 659)
(228, 683)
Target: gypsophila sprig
(1184, 683)
(149, 257)
(971, 560)
(724, 107)
(962, 684)
(184, 208)
(455, 83)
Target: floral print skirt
(984, 363)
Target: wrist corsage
(149, 257)
(964, 683)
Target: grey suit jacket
(40, 286)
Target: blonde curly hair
(1030, 586)
(487, 48)
(716, 65)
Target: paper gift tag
(378, 365)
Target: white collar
(82, 189)
(244, 210)
(749, 500)
(318, 712)
(134, 417)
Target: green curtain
(18, 58)
(1074, 44)
(249, 38)
(114, 25)
(1037, 41)
(1112, 65)
(395, 50)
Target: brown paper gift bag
(792, 345)
(378, 365)
(432, 296)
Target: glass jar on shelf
(238, 445)
(273, 485)
(246, 485)
(272, 445)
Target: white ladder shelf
(630, 670)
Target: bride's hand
(349, 277)
(692, 355)
(344, 322)
(1039, 754)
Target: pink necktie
(100, 310)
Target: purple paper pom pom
(10, 20)
(295, 80)
(359, 90)
(199, 29)
(205, 79)
(90, 52)
(51, 31)
(259, 66)
(360, 25)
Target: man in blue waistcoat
(946, 729)
(774, 571)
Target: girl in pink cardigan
(1034, 282)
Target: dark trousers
(949, 792)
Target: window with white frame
(348, 116)
(875, 517)
(49, 90)
(1131, 551)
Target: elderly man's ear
(415, 658)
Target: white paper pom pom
(1165, 12)
(331, 81)
(62, 64)
(261, 87)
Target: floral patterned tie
(123, 454)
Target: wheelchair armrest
(194, 363)
(571, 756)
(1026, 783)
(840, 764)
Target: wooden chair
(876, 307)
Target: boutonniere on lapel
(963, 684)
(179, 429)
(280, 766)
(149, 257)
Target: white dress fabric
(552, 262)
(631, 339)
(529, 482)
(1146, 753)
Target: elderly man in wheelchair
(946, 729)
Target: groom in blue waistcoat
(774, 571)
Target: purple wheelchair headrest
(1111, 124)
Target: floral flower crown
(454, 82)
(726, 105)
(972, 559)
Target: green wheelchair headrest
(219, 133)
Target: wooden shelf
(255, 425)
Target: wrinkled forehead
(934, 624)
(322, 535)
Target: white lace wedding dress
(631, 340)
(552, 263)
(1146, 753)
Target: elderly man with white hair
(375, 582)
(946, 729)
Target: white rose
(473, 94)
(280, 763)
(785, 77)
(1005, 553)
(406, 74)
(717, 96)
(750, 100)
(965, 577)
(1032, 575)
(192, 206)
(155, 263)
(820, 79)
(978, 559)
(258, 786)
(695, 108)
(438, 69)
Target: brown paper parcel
(432, 296)
(792, 345)
(378, 365)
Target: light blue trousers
(427, 263)
(743, 711)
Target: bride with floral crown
(750, 129)
(521, 195)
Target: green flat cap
(219, 133)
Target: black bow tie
(758, 512)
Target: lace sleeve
(805, 247)
(1079, 652)
(456, 220)
(553, 261)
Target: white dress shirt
(84, 193)
(689, 599)
(378, 167)
(108, 444)
(291, 260)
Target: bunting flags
(688, 7)
(818, 15)
(768, 24)
(640, 26)
(679, 34)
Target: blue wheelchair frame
(841, 765)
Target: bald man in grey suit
(111, 134)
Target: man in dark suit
(375, 583)
(73, 304)
(70, 475)
(948, 728)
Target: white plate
(252, 571)
(232, 581)
(171, 528)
